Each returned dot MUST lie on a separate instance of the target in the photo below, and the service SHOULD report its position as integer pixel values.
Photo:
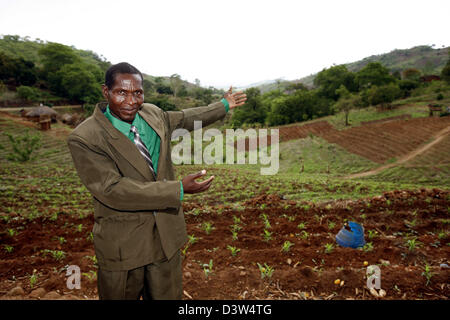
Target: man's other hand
(192, 186)
(235, 99)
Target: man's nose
(131, 99)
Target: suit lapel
(123, 145)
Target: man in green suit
(123, 157)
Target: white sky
(231, 42)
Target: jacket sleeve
(185, 118)
(99, 173)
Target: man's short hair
(122, 67)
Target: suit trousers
(160, 280)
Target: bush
(440, 96)
(28, 93)
(407, 86)
(23, 146)
(161, 102)
(384, 95)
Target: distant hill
(27, 48)
(423, 58)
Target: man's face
(125, 97)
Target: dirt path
(437, 138)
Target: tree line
(335, 89)
(52, 71)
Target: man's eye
(121, 92)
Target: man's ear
(105, 91)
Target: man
(122, 155)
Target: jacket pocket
(106, 250)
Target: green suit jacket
(137, 220)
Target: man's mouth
(129, 111)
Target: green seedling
(236, 227)
(234, 235)
(236, 220)
(185, 249)
(286, 246)
(368, 247)
(304, 235)
(411, 224)
(207, 268)
(442, 234)
(12, 232)
(54, 216)
(92, 275)
(331, 225)
(192, 239)
(79, 227)
(302, 225)
(33, 279)
(207, 227)
(8, 248)
(372, 234)
(266, 270)
(267, 235)
(329, 247)
(57, 255)
(234, 250)
(427, 274)
(412, 244)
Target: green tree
(252, 111)
(384, 95)
(17, 71)
(445, 73)
(300, 106)
(161, 102)
(407, 86)
(79, 83)
(175, 84)
(148, 86)
(329, 80)
(28, 93)
(296, 86)
(373, 74)
(346, 102)
(411, 74)
(161, 87)
(54, 56)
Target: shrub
(23, 146)
(28, 93)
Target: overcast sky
(231, 42)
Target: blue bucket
(353, 238)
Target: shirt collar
(123, 126)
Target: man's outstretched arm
(209, 114)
